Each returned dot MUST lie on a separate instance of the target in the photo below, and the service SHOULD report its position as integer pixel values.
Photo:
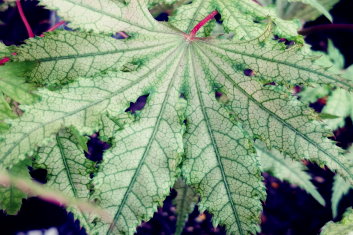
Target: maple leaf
(208, 100)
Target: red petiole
(28, 28)
(193, 32)
(57, 25)
(24, 19)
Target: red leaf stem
(24, 19)
(57, 25)
(193, 32)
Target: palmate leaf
(184, 128)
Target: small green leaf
(286, 169)
(339, 104)
(79, 139)
(306, 10)
(11, 199)
(327, 116)
(185, 202)
(335, 55)
(344, 227)
(339, 189)
(5, 109)
(12, 82)
(316, 4)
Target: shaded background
(288, 210)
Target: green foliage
(68, 169)
(339, 102)
(344, 227)
(301, 9)
(88, 80)
(11, 197)
(238, 17)
(285, 168)
(185, 202)
(339, 189)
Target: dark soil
(288, 210)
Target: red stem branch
(24, 19)
(57, 25)
(193, 32)
(326, 27)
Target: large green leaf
(185, 127)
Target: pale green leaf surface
(145, 158)
(343, 227)
(81, 104)
(270, 114)
(238, 17)
(111, 125)
(339, 189)
(297, 9)
(284, 168)
(220, 161)
(312, 94)
(5, 109)
(335, 55)
(108, 16)
(63, 56)
(317, 5)
(184, 202)
(340, 104)
(68, 169)
(142, 167)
